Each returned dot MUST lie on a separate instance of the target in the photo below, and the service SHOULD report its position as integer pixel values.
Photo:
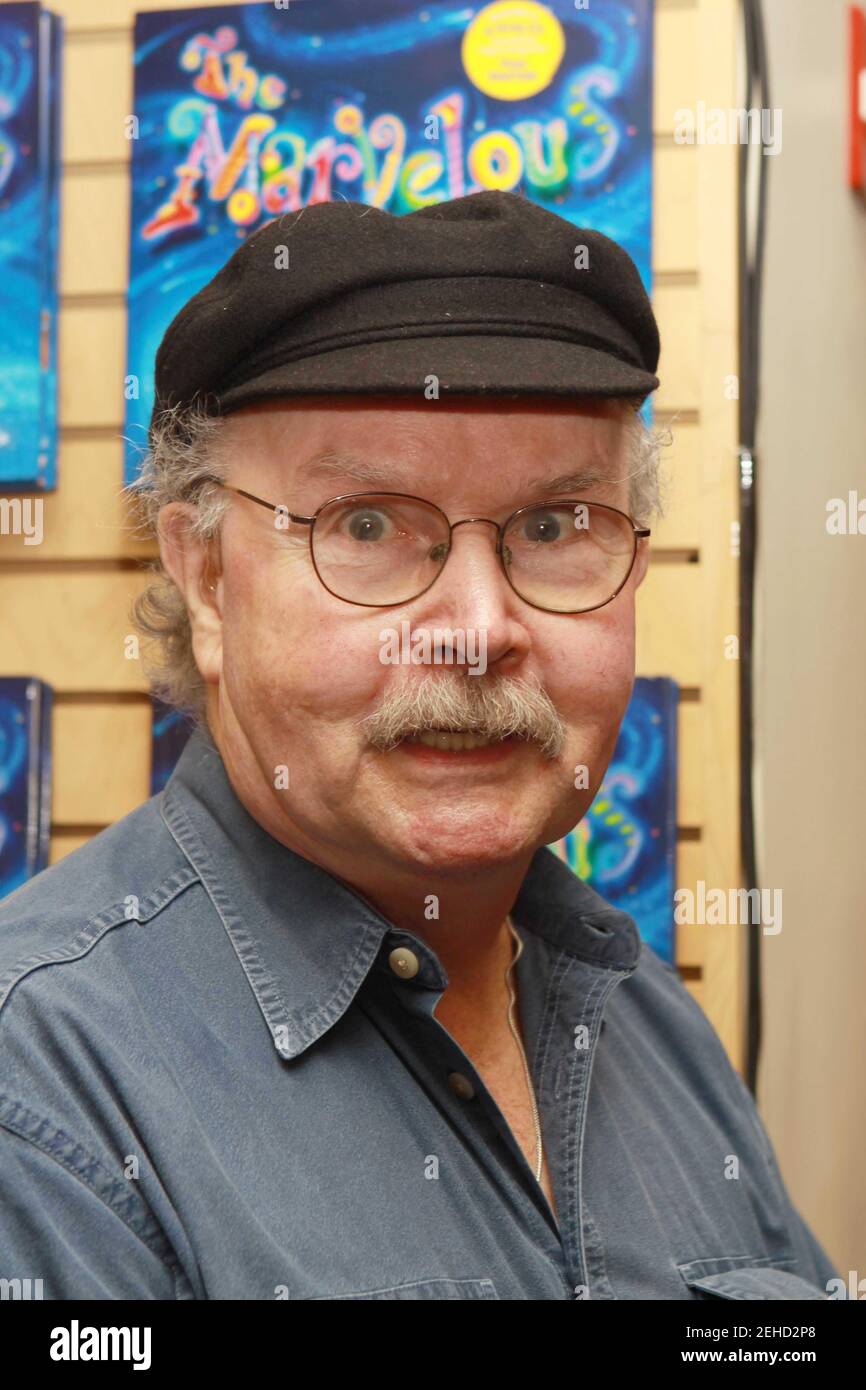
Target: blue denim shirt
(214, 1085)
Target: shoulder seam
(116, 1194)
(128, 910)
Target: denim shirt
(214, 1085)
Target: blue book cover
(170, 730)
(25, 779)
(51, 39)
(29, 215)
(625, 846)
(247, 112)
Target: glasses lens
(379, 549)
(569, 557)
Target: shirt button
(404, 963)
(461, 1085)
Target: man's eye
(546, 527)
(368, 526)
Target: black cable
(751, 270)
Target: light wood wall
(65, 604)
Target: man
(326, 1019)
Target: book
(247, 112)
(25, 779)
(625, 846)
(30, 39)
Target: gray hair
(183, 458)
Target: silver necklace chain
(517, 954)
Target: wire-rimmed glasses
(381, 549)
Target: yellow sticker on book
(512, 49)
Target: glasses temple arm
(271, 506)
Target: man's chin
(457, 835)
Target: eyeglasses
(380, 549)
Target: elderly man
(327, 1019)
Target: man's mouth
(449, 741)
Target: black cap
(490, 294)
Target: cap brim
(479, 364)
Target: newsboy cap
(489, 294)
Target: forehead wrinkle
(330, 463)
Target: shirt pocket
(744, 1279)
(422, 1288)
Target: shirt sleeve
(812, 1255)
(813, 1261)
(55, 1229)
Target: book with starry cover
(30, 39)
(25, 779)
(244, 113)
(625, 846)
(169, 731)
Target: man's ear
(193, 564)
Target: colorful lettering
(268, 170)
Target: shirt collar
(306, 940)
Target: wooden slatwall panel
(66, 602)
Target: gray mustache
(493, 707)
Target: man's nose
(472, 583)
(473, 521)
